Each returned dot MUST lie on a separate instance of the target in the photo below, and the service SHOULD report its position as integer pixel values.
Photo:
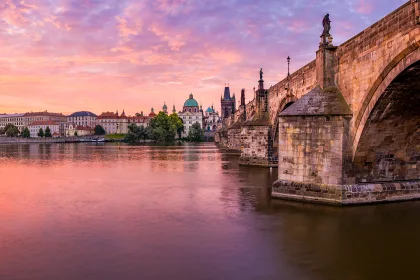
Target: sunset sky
(100, 55)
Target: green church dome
(191, 102)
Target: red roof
(138, 119)
(111, 115)
(80, 127)
(43, 123)
(44, 114)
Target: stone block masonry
(342, 195)
(256, 146)
(234, 138)
(311, 149)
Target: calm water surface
(88, 211)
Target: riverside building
(211, 119)
(14, 119)
(82, 119)
(31, 117)
(113, 123)
(191, 114)
(36, 125)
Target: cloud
(103, 54)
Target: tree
(142, 133)
(47, 132)
(26, 133)
(177, 122)
(162, 128)
(130, 137)
(135, 133)
(41, 132)
(76, 134)
(9, 125)
(11, 130)
(99, 130)
(196, 133)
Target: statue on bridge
(261, 74)
(326, 22)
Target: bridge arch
(286, 102)
(401, 62)
(385, 146)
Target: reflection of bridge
(353, 130)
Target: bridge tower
(227, 103)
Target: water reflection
(113, 211)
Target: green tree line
(163, 129)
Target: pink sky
(104, 55)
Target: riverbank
(19, 140)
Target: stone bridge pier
(353, 134)
(344, 128)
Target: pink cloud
(363, 7)
(69, 55)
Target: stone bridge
(345, 128)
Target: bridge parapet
(376, 73)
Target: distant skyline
(108, 55)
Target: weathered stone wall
(234, 138)
(388, 148)
(221, 138)
(365, 61)
(347, 194)
(292, 88)
(311, 148)
(250, 110)
(255, 145)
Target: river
(113, 211)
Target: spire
(173, 109)
(261, 81)
(123, 113)
(226, 95)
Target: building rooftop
(329, 101)
(226, 94)
(191, 102)
(11, 115)
(83, 114)
(45, 113)
(111, 115)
